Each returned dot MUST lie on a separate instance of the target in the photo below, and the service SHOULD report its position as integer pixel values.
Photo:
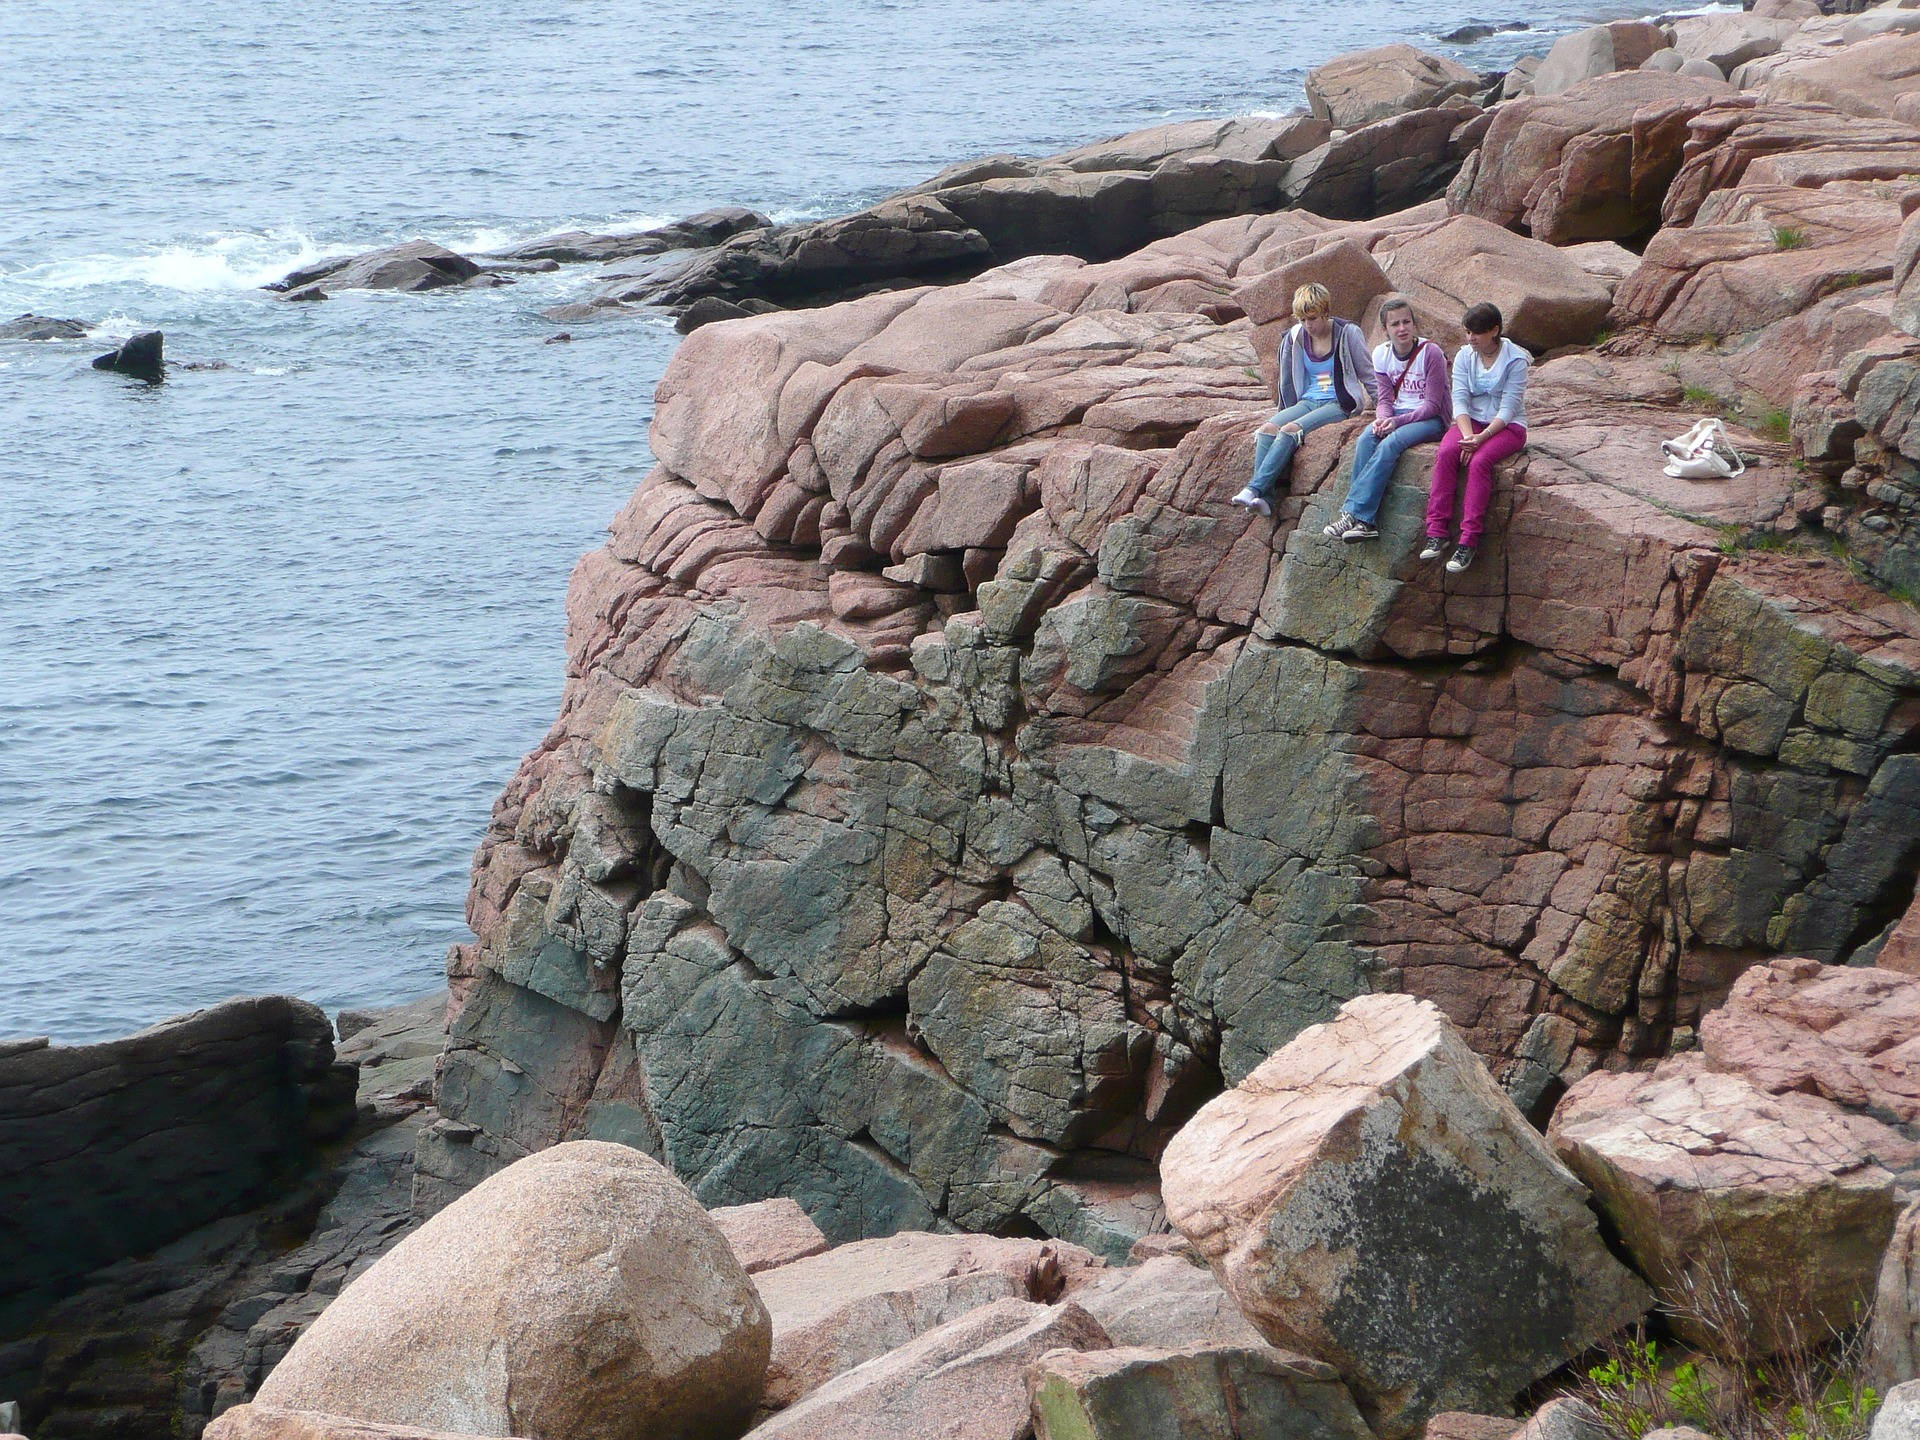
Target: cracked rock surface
(952, 792)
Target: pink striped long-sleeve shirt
(1412, 389)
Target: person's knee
(1269, 429)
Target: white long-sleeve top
(1484, 391)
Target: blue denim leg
(1375, 460)
(1268, 465)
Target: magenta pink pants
(1446, 479)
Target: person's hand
(1292, 427)
(1469, 442)
(1384, 428)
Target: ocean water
(274, 634)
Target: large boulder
(1590, 163)
(581, 1292)
(1545, 296)
(1379, 168)
(1194, 1392)
(1368, 1195)
(1596, 50)
(1760, 253)
(1735, 1202)
(1730, 40)
(143, 356)
(965, 1378)
(1894, 1338)
(856, 1302)
(1367, 85)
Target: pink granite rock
(1370, 1197)
(266, 1422)
(967, 1377)
(1720, 1190)
(1591, 163)
(1851, 1036)
(1190, 1392)
(1894, 1336)
(768, 1233)
(855, 1303)
(1367, 85)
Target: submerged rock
(1370, 1197)
(416, 265)
(573, 247)
(42, 327)
(141, 356)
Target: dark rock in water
(907, 235)
(1481, 30)
(709, 308)
(701, 231)
(582, 312)
(118, 1148)
(41, 327)
(141, 357)
(564, 337)
(206, 365)
(1097, 202)
(416, 265)
(156, 1345)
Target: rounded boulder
(579, 1294)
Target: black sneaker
(1336, 528)
(1462, 558)
(1433, 549)
(1359, 530)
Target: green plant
(1698, 397)
(1852, 280)
(1776, 424)
(1788, 237)
(1758, 1376)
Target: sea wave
(236, 260)
(248, 259)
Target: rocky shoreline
(962, 823)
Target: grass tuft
(1789, 1386)
(1788, 237)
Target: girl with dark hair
(1489, 424)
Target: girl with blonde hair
(1325, 375)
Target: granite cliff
(952, 792)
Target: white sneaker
(1253, 500)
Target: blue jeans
(1272, 452)
(1375, 458)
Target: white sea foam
(239, 260)
(248, 259)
